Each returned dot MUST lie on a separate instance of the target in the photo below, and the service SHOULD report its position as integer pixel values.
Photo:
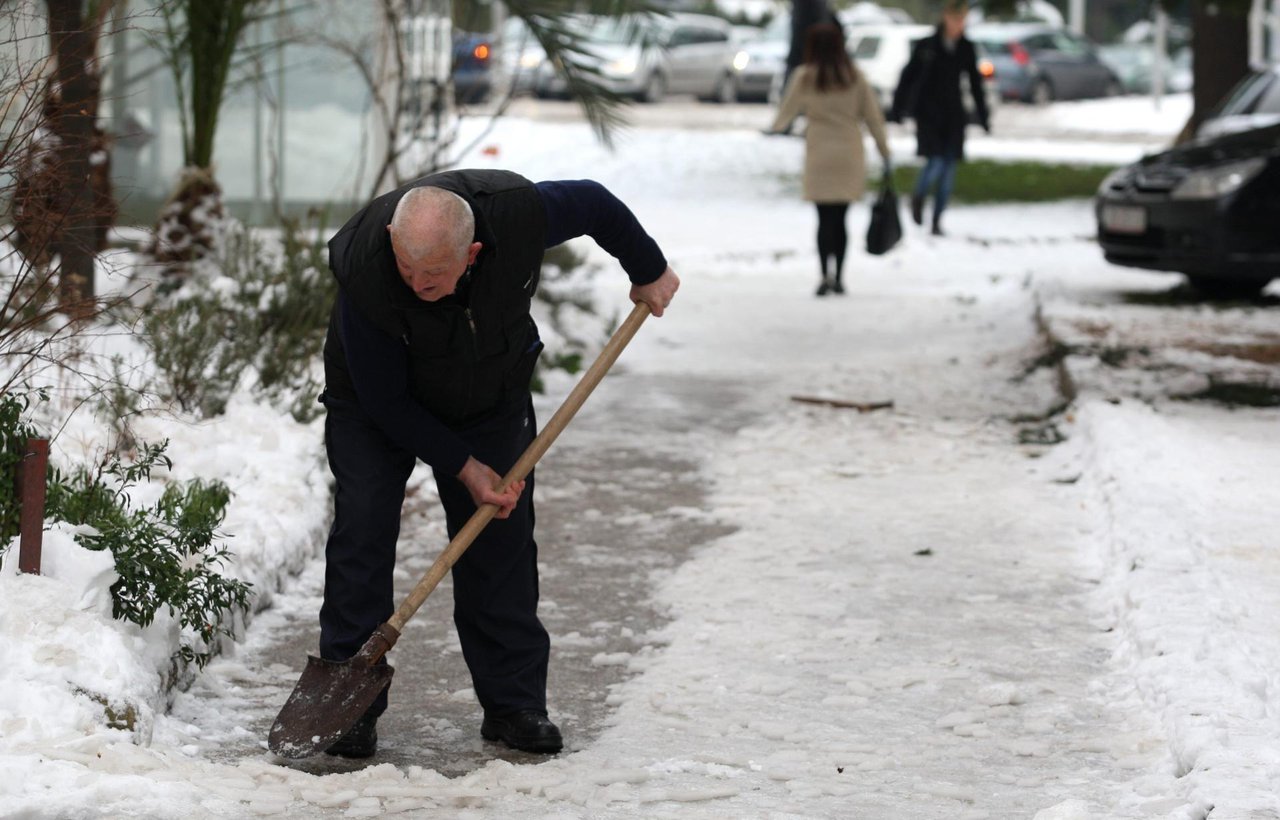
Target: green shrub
(564, 288)
(259, 311)
(201, 349)
(14, 432)
(166, 554)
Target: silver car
(648, 58)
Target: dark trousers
(495, 582)
(833, 239)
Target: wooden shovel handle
(482, 516)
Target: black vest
(472, 354)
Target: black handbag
(885, 229)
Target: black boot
(360, 740)
(917, 209)
(837, 286)
(824, 287)
(528, 731)
(937, 225)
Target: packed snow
(916, 616)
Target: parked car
(519, 58)
(1253, 103)
(1027, 11)
(760, 64)
(1134, 65)
(648, 59)
(471, 57)
(1037, 63)
(1208, 209)
(882, 51)
(867, 13)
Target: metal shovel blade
(327, 701)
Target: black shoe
(527, 731)
(823, 288)
(837, 287)
(360, 740)
(937, 229)
(917, 209)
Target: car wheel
(1041, 92)
(774, 95)
(1227, 288)
(726, 90)
(655, 89)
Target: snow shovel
(331, 696)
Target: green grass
(981, 181)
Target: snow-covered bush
(568, 316)
(257, 309)
(166, 554)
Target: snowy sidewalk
(916, 616)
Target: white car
(648, 59)
(882, 51)
(519, 58)
(760, 64)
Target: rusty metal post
(32, 471)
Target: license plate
(1124, 219)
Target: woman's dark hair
(824, 50)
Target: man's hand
(658, 293)
(480, 481)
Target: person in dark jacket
(805, 14)
(429, 355)
(929, 92)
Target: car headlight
(624, 65)
(530, 60)
(741, 60)
(1219, 181)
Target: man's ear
(473, 251)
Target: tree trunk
(1220, 56)
(72, 123)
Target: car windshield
(1269, 101)
(616, 31)
(1247, 96)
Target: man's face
(953, 21)
(435, 276)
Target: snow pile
(1187, 544)
(280, 511)
(67, 670)
(1122, 115)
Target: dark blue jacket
(423, 370)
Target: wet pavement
(620, 504)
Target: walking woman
(837, 100)
(929, 91)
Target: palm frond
(570, 54)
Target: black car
(471, 53)
(1209, 209)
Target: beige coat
(835, 169)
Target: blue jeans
(939, 171)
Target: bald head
(431, 222)
(431, 236)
